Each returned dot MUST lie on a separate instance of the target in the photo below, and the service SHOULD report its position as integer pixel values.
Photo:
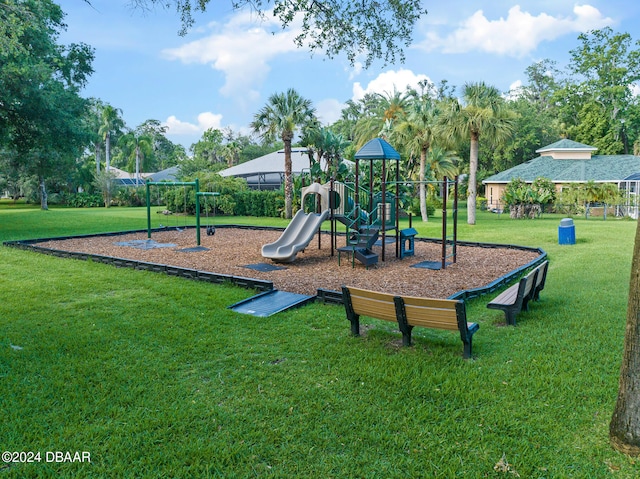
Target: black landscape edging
(207, 276)
(323, 295)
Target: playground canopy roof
(377, 149)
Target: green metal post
(197, 185)
(148, 211)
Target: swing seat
(211, 230)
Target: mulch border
(323, 295)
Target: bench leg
(403, 323)
(467, 348)
(353, 318)
(355, 325)
(406, 336)
(510, 316)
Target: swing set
(196, 184)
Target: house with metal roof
(267, 172)
(565, 163)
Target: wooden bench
(517, 297)
(408, 312)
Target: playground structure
(367, 216)
(198, 195)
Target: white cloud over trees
(517, 35)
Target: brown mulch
(231, 249)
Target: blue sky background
(224, 70)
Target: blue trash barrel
(566, 232)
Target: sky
(224, 70)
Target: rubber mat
(270, 302)
(263, 267)
(429, 265)
(194, 249)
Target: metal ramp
(270, 302)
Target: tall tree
(283, 114)
(377, 29)
(482, 113)
(624, 428)
(42, 114)
(137, 151)
(442, 162)
(416, 133)
(231, 151)
(605, 65)
(111, 123)
(208, 149)
(383, 111)
(94, 123)
(326, 145)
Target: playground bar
(174, 183)
(445, 191)
(198, 195)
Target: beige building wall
(494, 193)
(569, 155)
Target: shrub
(527, 201)
(131, 197)
(78, 200)
(240, 203)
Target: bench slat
(431, 317)
(515, 298)
(381, 309)
(508, 296)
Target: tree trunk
(43, 195)
(288, 180)
(107, 150)
(107, 154)
(423, 187)
(473, 170)
(624, 429)
(137, 165)
(97, 150)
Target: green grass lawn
(154, 377)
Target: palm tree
(231, 151)
(94, 120)
(327, 145)
(138, 150)
(110, 123)
(442, 162)
(281, 116)
(484, 113)
(416, 133)
(382, 112)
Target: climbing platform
(270, 302)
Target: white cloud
(206, 120)
(517, 35)
(241, 49)
(387, 81)
(515, 90)
(329, 110)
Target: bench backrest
(542, 275)
(530, 283)
(432, 313)
(373, 304)
(425, 312)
